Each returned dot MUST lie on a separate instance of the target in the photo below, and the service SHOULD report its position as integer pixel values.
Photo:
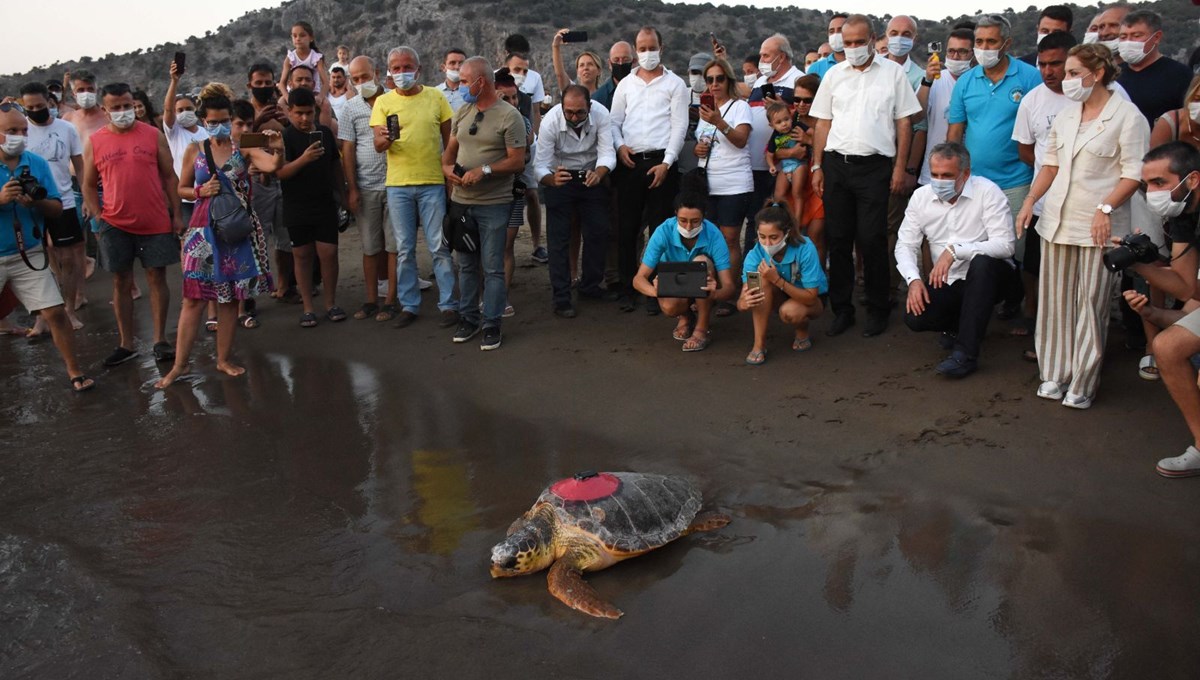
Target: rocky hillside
(373, 26)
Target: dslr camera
(30, 186)
(1133, 249)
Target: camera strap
(17, 231)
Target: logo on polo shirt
(1016, 94)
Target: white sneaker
(425, 284)
(1050, 390)
(1187, 465)
(508, 312)
(381, 289)
(1078, 401)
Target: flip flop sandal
(698, 345)
(211, 325)
(756, 357)
(801, 345)
(1148, 368)
(248, 321)
(387, 312)
(335, 314)
(687, 332)
(308, 320)
(368, 309)
(82, 383)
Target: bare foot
(89, 268)
(230, 369)
(137, 292)
(9, 328)
(175, 374)
(76, 324)
(80, 302)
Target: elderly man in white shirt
(860, 150)
(969, 228)
(649, 121)
(574, 154)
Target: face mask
(86, 100)
(857, 56)
(987, 58)
(750, 79)
(577, 124)
(1194, 110)
(946, 189)
(40, 117)
(13, 145)
(1160, 202)
(262, 95)
(1132, 51)
(771, 250)
(648, 61)
(689, 233)
(186, 119)
(218, 131)
(468, 97)
(368, 89)
(899, 45)
(1039, 38)
(519, 79)
(1074, 90)
(619, 71)
(837, 43)
(452, 76)
(1110, 44)
(957, 67)
(54, 113)
(404, 80)
(697, 82)
(123, 119)
(766, 68)
(1091, 38)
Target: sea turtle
(592, 521)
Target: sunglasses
(475, 123)
(804, 100)
(11, 106)
(714, 79)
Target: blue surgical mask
(946, 189)
(54, 113)
(469, 97)
(218, 131)
(899, 45)
(404, 80)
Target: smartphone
(314, 137)
(575, 37)
(254, 140)
(393, 127)
(754, 280)
(715, 43)
(706, 99)
(459, 170)
(768, 90)
(180, 62)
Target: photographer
(1171, 173)
(28, 195)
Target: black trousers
(856, 205)
(965, 307)
(591, 205)
(638, 206)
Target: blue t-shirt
(990, 112)
(800, 266)
(29, 219)
(820, 66)
(666, 245)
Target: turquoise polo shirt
(990, 112)
(666, 245)
(29, 219)
(800, 266)
(820, 66)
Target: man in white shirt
(451, 63)
(339, 90)
(182, 127)
(574, 154)
(860, 148)
(775, 68)
(649, 121)
(969, 227)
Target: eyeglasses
(804, 100)
(714, 79)
(475, 123)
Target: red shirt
(128, 165)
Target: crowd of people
(1037, 189)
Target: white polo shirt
(864, 106)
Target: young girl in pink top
(304, 42)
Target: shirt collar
(701, 238)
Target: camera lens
(1119, 259)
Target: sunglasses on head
(714, 79)
(11, 106)
(475, 123)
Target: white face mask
(1160, 202)
(1132, 51)
(13, 145)
(1194, 110)
(946, 189)
(899, 45)
(766, 69)
(1110, 44)
(773, 249)
(1074, 89)
(957, 67)
(750, 79)
(368, 89)
(857, 56)
(987, 58)
(1091, 38)
(452, 76)
(689, 233)
(123, 119)
(697, 82)
(86, 100)
(1039, 38)
(186, 119)
(519, 79)
(648, 60)
(837, 42)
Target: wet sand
(330, 513)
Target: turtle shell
(628, 512)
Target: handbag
(227, 213)
(460, 231)
(695, 181)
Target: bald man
(620, 63)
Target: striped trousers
(1072, 320)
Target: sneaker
(1050, 390)
(1187, 465)
(1078, 401)
(466, 330)
(957, 365)
(381, 289)
(119, 356)
(449, 317)
(491, 338)
(424, 284)
(508, 312)
(540, 255)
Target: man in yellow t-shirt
(415, 184)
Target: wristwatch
(1105, 208)
(927, 82)
(487, 169)
(950, 247)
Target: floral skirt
(214, 270)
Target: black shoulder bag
(227, 212)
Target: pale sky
(75, 28)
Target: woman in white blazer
(1092, 167)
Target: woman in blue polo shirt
(684, 238)
(791, 280)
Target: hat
(698, 60)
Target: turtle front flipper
(707, 521)
(566, 583)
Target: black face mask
(263, 95)
(40, 116)
(619, 71)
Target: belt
(873, 158)
(656, 155)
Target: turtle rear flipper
(567, 584)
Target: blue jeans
(493, 230)
(404, 205)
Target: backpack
(227, 212)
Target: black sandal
(335, 314)
(367, 311)
(82, 383)
(308, 320)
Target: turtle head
(526, 550)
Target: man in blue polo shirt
(838, 55)
(685, 238)
(28, 195)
